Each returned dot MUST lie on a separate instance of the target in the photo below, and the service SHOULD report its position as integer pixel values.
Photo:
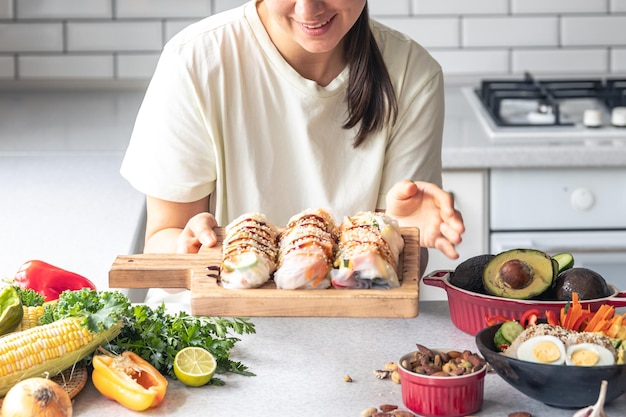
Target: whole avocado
(468, 275)
(588, 284)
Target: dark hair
(371, 98)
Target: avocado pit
(516, 274)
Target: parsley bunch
(157, 336)
(153, 334)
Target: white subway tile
(618, 60)
(597, 30)
(66, 67)
(114, 36)
(6, 9)
(433, 32)
(162, 8)
(561, 61)
(221, 5)
(558, 6)
(386, 7)
(133, 66)
(172, 27)
(7, 67)
(467, 62)
(64, 9)
(509, 31)
(460, 7)
(618, 6)
(31, 37)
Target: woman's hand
(429, 208)
(197, 232)
(178, 227)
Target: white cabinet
(470, 189)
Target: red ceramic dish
(469, 309)
(441, 396)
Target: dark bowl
(556, 385)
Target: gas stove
(559, 110)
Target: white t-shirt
(226, 115)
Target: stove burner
(546, 98)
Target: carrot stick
(605, 312)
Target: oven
(582, 212)
(577, 210)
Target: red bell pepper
(552, 318)
(529, 317)
(491, 320)
(49, 280)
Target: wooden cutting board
(196, 272)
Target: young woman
(282, 105)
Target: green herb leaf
(153, 334)
(29, 297)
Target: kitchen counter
(466, 144)
(300, 364)
(64, 202)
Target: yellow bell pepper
(128, 379)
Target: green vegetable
(564, 260)
(29, 297)
(11, 311)
(506, 334)
(154, 334)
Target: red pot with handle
(468, 309)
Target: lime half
(194, 366)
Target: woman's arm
(178, 227)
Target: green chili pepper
(11, 311)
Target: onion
(37, 397)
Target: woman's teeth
(319, 25)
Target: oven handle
(506, 244)
(583, 249)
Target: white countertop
(300, 364)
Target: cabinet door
(470, 196)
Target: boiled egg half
(589, 354)
(549, 350)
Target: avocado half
(520, 274)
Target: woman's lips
(316, 29)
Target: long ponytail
(371, 98)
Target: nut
(347, 378)
(520, 414)
(452, 363)
(391, 366)
(387, 407)
(403, 413)
(381, 373)
(395, 377)
(369, 412)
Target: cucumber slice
(565, 261)
(243, 261)
(507, 333)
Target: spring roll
(249, 251)
(305, 251)
(368, 252)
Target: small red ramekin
(443, 396)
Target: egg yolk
(546, 352)
(584, 358)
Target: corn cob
(31, 318)
(47, 349)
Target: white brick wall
(121, 39)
